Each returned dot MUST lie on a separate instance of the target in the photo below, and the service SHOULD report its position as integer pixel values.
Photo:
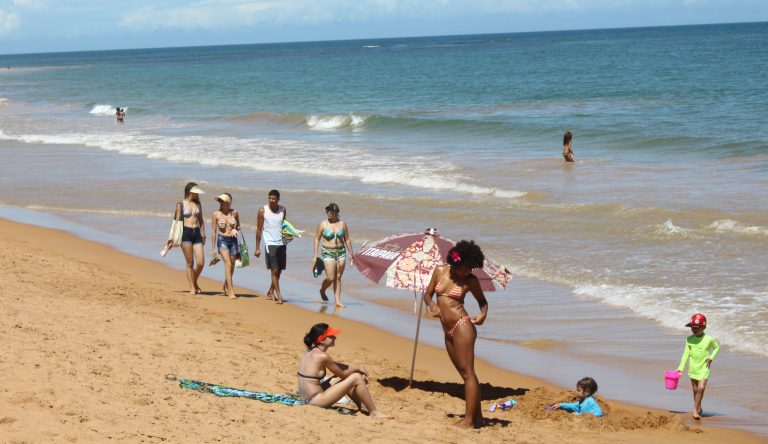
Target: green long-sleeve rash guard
(698, 349)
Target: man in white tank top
(270, 224)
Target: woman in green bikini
(332, 236)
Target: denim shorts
(228, 243)
(191, 236)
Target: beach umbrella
(408, 260)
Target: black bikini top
(319, 378)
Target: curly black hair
(588, 384)
(314, 333)
(466, 252)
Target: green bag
(243, 250)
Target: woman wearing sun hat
(226, 225)
(190, 211)
(312, 369)
(700, 351)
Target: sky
(30, 26)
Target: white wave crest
(331, 123)
(3, 101)
(279, 155)
(670, 306)
(732, 226)
(669, 229)
(104, 110)
(103, 211)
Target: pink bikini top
(455, 292)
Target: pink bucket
(671, 378)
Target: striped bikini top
(455, 292)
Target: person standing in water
(567, 150)
(270, 223)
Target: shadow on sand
(489, 392)
(489, 422)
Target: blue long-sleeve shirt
(588, 405)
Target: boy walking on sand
(700, 351)
(270, 224)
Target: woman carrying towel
(333, 250)
(193, 236)
(312, 369)
(226, 225)
(451, 283)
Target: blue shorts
(191, 236)
(228, 243)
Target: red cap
(697, 320)
(328, 332)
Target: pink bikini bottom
(463, 320)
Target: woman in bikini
(333, 250)
(226, 225)
(567, 150)
(451, 283)
(312, 369)
(193, 235)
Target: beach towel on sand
(219, 390)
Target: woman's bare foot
(323, 296)
(378, 414)
(466, 423)
(279, 300)
(232, 296)
(198, 290)
(340, 305)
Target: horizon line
(385, 38)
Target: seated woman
(312, 368)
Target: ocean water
(664, 213)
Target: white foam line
(279, 156)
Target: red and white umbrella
(408, 261)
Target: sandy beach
(89, 335)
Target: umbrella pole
(416, 339)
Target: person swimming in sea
(567, 150)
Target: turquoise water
(663, 214)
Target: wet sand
(89, 335)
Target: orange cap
(328, 332)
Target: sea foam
(280, 155)
(335, 122)
(103, 110)
(732, 226)
(670, 306)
